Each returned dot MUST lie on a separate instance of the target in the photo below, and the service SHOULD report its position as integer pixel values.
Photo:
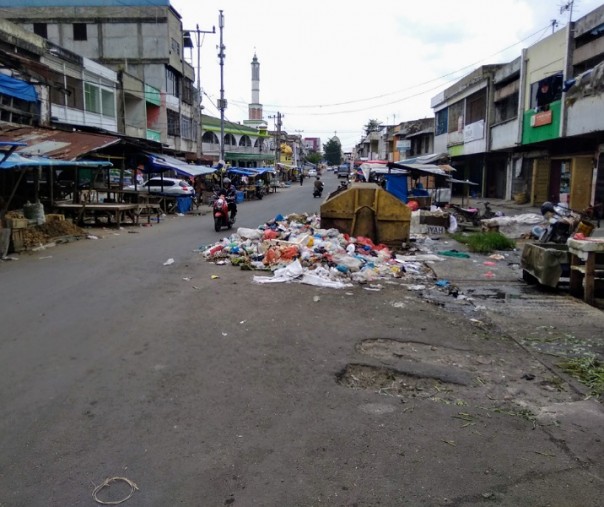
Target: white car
(312, 173)
(167, 186)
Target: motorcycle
(318, 191)
(259, 193)
(473, 215)
(220, 208)
(563, 222)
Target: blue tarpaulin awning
(162, 163)
(17, 88)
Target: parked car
(167, 186)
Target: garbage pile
(296, 248)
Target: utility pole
(187, 42)
(222, 104)
(278, 143)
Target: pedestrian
(301, 178)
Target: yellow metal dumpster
(366, 209)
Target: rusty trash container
(366, 209)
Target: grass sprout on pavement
(587, 370)
(485, 242)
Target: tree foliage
(372, 126)
(314, 157)
(332, 150)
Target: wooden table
(117, 211)
(583, 268)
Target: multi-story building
(142, 42)
(534, 126)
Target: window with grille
(173, 123)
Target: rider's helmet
(547, 207)
(226, 181)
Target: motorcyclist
(230, 193)
(318, 185)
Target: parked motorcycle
(473, 215)
(259, 193)
(563, 222)
(220, 208)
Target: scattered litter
(441, 283)
(497, 257)
(168, 262)
(225, 334)
(220, 263)
(243, 322)
(10, 258)
(91, 236)
(296, 249)
(316, 299)
(489, 263)
(46, 257)
(214, 277)
(106, 483)
(489, 274)
(398, 304)
(454, 253)
(416, 287)
(187, 279)
(528, 376)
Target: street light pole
(222, 104)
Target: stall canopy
(16, 161)
(161, 163)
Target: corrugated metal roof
(57, 144)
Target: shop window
(41, 29)
(456, 117)
(546, 91)
(172, 83)
(476, 106)
(108, 103)
(92, 101)
(175, 47)
(442, 120)
(507, 108)
(79, 31)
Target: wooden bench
(584, 272)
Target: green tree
(372, 126)
(314, 157)
(333, 152)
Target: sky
(330, 66)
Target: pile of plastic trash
(295, 248)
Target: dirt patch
(49, 231)
(389, 381)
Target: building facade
(142, 43)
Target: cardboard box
(17, 223)
(55, 218)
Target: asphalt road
(210, 391)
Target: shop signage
(542, 118)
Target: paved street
(204, 388)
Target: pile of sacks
(295, 248)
